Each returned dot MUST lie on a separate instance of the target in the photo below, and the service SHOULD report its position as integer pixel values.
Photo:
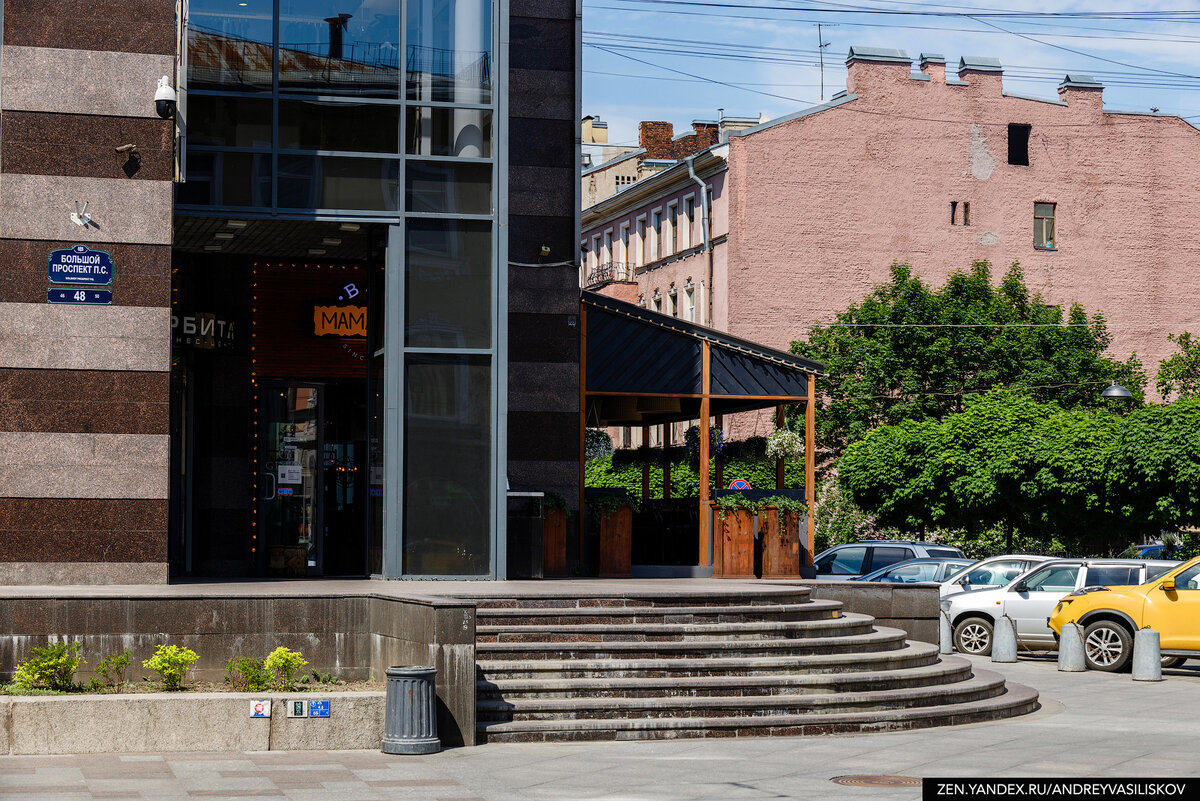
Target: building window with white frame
(623, 244)
(673, 301)
(640, 242)
(656, 234)
(689, 216)
(657, 301)
(608, 246)
(689, 301)
(673, 222)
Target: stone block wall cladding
(84, 390)
(543, 302)
(821, 205)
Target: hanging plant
(691, 441)
(784, 444)
(596, 443)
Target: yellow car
(1170, 604)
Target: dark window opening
(1018, 143)
(966, 213)
(954, 212)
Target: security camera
(165, 98)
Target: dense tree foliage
(1005, 461)
(1155, 472)
(910, 352)
(1179, 373)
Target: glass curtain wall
(345, 109)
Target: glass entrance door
(291, 480)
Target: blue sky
(679, 60)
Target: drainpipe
(704, 226)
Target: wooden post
(810, 462)
(720, 460)
(779, 462)
(666, 463)
(705, 388)
(646, 465)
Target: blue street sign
(84, 297)
(80, 265)
(318, 709)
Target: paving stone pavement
(1090, 725)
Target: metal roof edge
(795, 115)
(611, 162)
(1020, 96)
(1155, 114)
(703, 332)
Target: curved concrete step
(909, 654)
(742, 595)
(973, 688)
(879, 639)
(739, 613)
(1017, 699)
(947, 670)
(844, 625)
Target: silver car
(1029, 599)
(995, 571)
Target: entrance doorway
(312, 508)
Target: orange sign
(340, 321)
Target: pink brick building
(808, 211)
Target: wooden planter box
(735, 554)
(616, 542)
(554, 544)
(780, 544)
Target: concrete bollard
(1004, 641)
(945, 634)
(1070, 649)
(1147, 656)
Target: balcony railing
(608, 271)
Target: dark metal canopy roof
(646, 368)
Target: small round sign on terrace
(739, 484)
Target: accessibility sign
(80, 265)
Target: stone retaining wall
(911, 607)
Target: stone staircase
(745, 662)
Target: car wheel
(1172, 661)
(1107, 646)
(973, 636)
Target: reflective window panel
(227, 179)
(333, 182)
(447, 465)
(449, 54)
(448, 284)
(339, 47)
(436, 131)
(229, 121)
(447, 188)
(229, 45)
(316, 125)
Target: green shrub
(171, 663)
(112, 670)
(284, 664)
(247, 674)
(49, 668)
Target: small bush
(284, 664)
(171, 663)
(49, 668)
(112, 670)
(247, 674)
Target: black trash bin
(410, 717)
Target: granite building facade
(341, 286)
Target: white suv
(995, 571)
(1029, 599)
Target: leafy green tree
(1155, 474)
(1005, 461)
(912, 352)
(1179, 373)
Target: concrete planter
(160, 722)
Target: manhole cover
(877, 781)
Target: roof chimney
(873, 66)
(1082, 91)
(981, 72)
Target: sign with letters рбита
(80, 266)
